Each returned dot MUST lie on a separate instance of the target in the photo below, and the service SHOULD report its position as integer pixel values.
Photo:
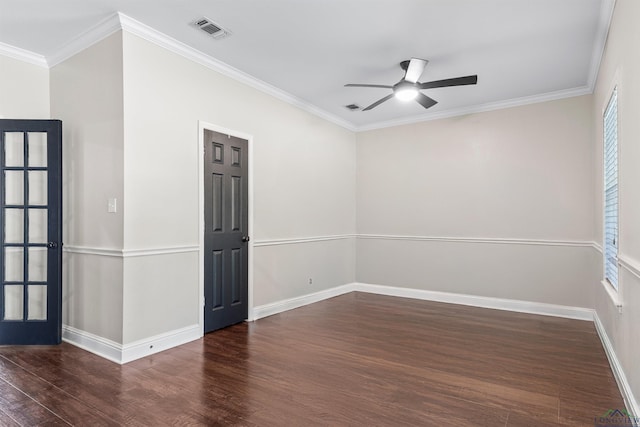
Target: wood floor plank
(23, 410)
(64, 405)
(7, 421)
(357, 359)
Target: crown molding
(23, 55)
(600, 42)
(481, 108)
(82, 41)
(604, 23)
(153, 36)
(119, 21)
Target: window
(610, 126)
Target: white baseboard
(95, 344)
(289, 304)
(161, 342)
(544, 309)
(121, 354)
(625, 389)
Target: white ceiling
(521, 50)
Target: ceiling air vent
(211, 28)
(352, 107)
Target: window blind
(611, 190)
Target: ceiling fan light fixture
(409, 88)
(406, 92)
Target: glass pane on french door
(30, 217)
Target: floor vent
(211, 28)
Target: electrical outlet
(310, 281)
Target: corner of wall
(92, 174)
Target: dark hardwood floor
(358, 359)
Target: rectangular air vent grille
(211, 28)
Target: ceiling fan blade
(415, 69)
(378, 102)
(458, 81)
(365, 85)
(425, 101)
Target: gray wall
(303, 181)
(132, 134)
(86, 94)
(24, 90)
(621, 66)
(494, 204)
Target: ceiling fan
(409, 87)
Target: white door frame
(202, 126)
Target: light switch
(112, 205)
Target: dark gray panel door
(226, 259)
(31, 238)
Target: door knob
(245, 238)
